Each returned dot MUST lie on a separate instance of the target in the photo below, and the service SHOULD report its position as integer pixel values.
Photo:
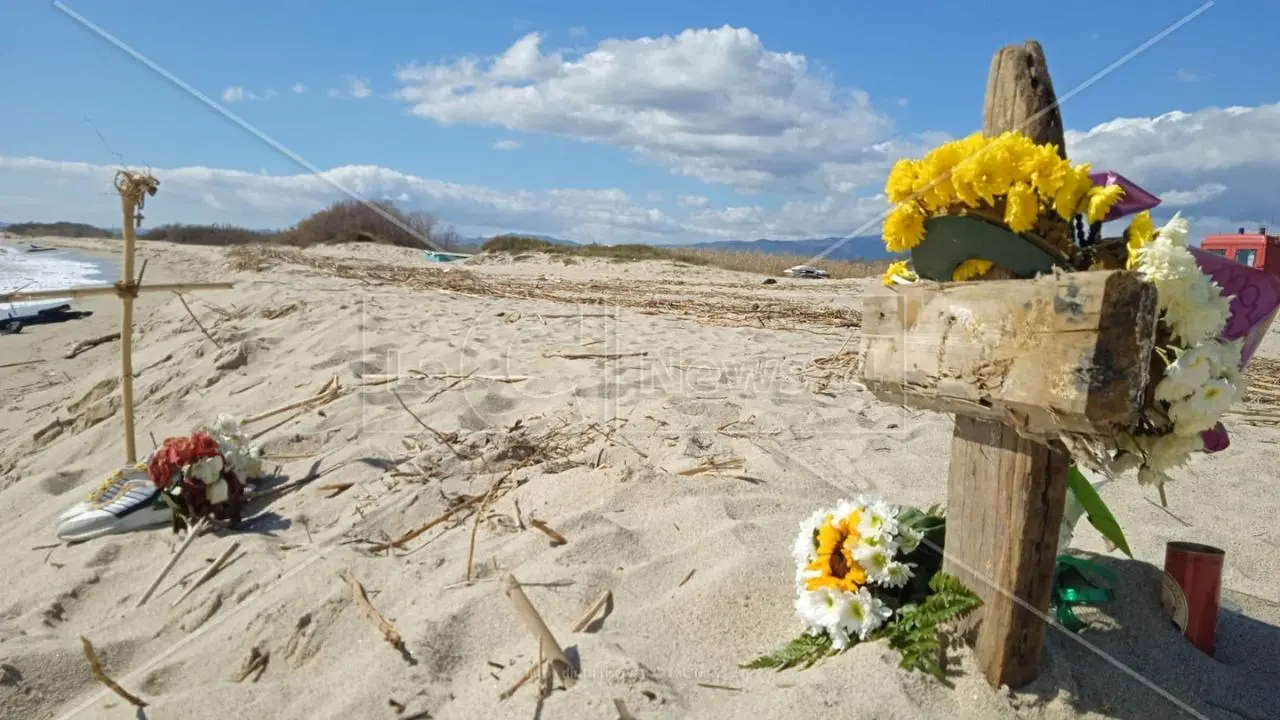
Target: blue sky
(776, 120)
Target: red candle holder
(1192, 591)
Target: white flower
(805, 550)
(207, 470)
(864, 614)
(1175, 231)
(875, 560)
(909, 539)
(1203, 409)
(1166, 452)
(1225, 359)
(1192, 305)
(1186, 374)
(897, 574)
(879, 522)
(822, 609)
(218, 492)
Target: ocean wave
(47, 270)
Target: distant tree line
(344, 221)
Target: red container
(1192, 591)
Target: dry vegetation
(519, 246)
(720, 303)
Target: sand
(698, 564)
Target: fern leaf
(804, 652)
(915, 631)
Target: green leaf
(914, 633)
(1099, 515)
(805, 650)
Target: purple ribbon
(1135, 199)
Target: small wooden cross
(1020, 363)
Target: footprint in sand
(62, 481)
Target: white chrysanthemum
(875, 560)
(863, 615)
(879, 521)
(1163, 453)
(909, 539)
(1192, 305)
(243, 459)
(805, 550)
(1186, 374)
(1175, 231)
(897, 574)
(1225, 359)
(1201, 411)
(822, 609)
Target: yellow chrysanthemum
(1141, 231)
(1045, 169)
(1101, 200)
(835, 567)
(904, 228)
(898, 269)
(971, 269)
(1075, 186)
(1021, 208)
(902, 178)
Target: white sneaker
(126, 501)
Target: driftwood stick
(101, 676)
(197, 321)
(538, 627)
(208, 573)
(192, 531)
(89, 344)
(128, 201)
(595, 356)
(389, 632)
(79, 293)
(602, 603)
(327, 394)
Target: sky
(658, 122)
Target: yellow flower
(904, 228)
(1021, 208)
(971, 269)
(1075, 185)
(1101, 200)
(836, 568)
(898, 269)
(902, 178)
(1140, 232)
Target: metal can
(1191, 593)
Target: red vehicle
(1256, 250)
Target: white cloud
(237, 94)
(653, 196)
(299, 88)
(710, 104)
(506, 145)
(1195, 196)
(356, 88)
(270, 93)
(693, 201)
(577, 32)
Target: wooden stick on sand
(538, 627)
(208, 573)
(101, 676)
(192, 531)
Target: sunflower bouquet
(205, 474)
(868, 570)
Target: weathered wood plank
(1061, 353)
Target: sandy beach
(668, 421)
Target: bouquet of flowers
(867, 570)
(1006, 207)
(205, 473)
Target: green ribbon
(1072, 587)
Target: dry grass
(759, 263)
(709, 302)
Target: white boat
(806, 271)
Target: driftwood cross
(1020, 363)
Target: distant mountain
(862, 247)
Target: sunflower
(834, 566)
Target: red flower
(178, 452)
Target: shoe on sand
(126, 501)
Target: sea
(23, 268)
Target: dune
(669, 423)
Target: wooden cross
(133, 189)
(1020, 363)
